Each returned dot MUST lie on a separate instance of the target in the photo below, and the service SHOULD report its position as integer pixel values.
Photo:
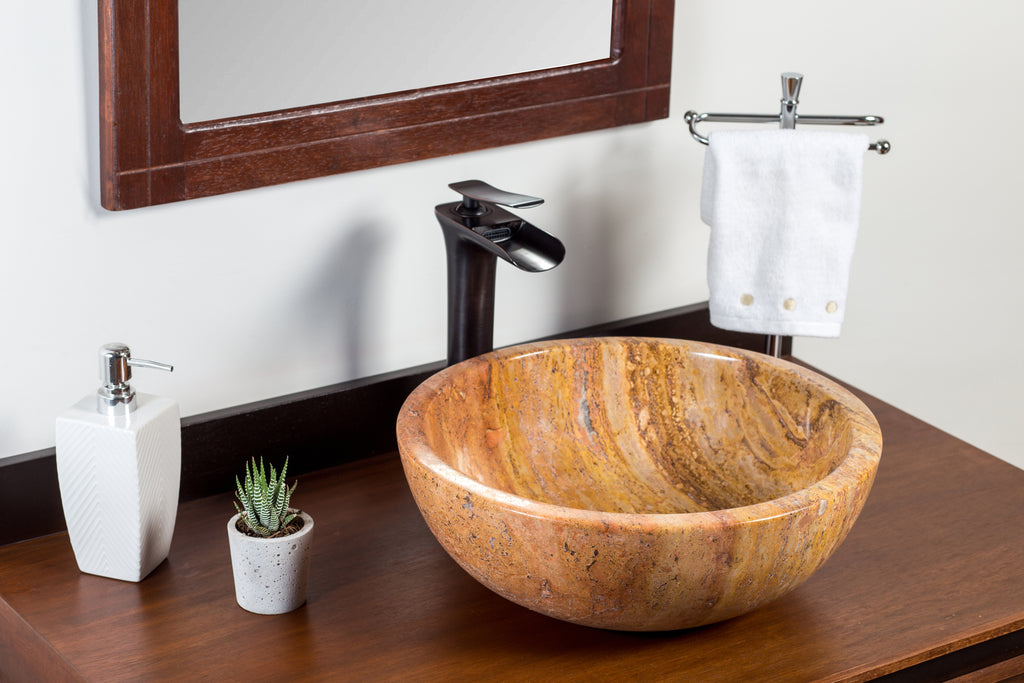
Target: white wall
(937, 278)
(266, 292)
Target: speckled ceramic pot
(637, 484)
(271, 574)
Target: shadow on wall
(91, 98)
(339, 296)
(598, 224)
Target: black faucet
(476, 231)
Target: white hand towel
(784, 207)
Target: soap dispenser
(119, 468)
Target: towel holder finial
(791, 82)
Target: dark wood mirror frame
(148, 156)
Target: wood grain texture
(148, 156)
(931, 567)
(637, 484)
(27, 656)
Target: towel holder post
(787, 118)
(791, 82)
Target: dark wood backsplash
(316, 429)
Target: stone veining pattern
(637, 484)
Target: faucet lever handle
(475, 191)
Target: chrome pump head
(116, 396)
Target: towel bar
(693, 118)
(787, 118)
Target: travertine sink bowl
(637, 484)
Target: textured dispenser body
(119, 479)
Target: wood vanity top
(932, 567)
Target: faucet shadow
(343, 288)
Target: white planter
(271, 574)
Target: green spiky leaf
(264, 500)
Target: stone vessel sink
(637, 484)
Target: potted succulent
(270, 543)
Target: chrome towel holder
(787, 119)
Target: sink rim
(860, 461)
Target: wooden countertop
(932, 566)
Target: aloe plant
(264, 500)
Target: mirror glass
(242, 56)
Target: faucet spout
(476, 233)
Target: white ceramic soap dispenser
(119, 467)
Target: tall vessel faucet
(476, 232)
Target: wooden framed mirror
(148, 156)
